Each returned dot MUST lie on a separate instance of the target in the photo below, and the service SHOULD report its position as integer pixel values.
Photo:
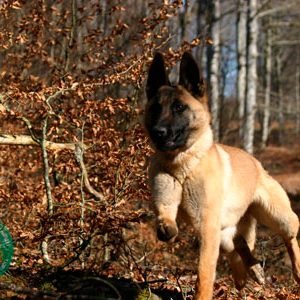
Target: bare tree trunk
(241, 60)
(71, 41)
(268, 76)
(201, 30)
(52, 18)
(81, 31)
(280, 98)
(251, 77)
(103, 20)
(213, 62)
(185, 17)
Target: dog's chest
(193, 194)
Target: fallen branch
(44, 250)
(79, 157)
(24, 140)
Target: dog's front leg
(210, 235)
(166, 196)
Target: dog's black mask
(167, 122)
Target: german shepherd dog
(222, 191)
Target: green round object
(6, 249)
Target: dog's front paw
(166, 231)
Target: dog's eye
(178, 107)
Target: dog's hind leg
(239, 252)
(251, 264)
(237, 266)
(272, 208)
(244, 243)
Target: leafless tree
(268, 77)
(241, 25)
(251, 76)
(213, 62)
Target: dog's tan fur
(223, 191)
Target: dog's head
(175, 115)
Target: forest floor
(145, 267)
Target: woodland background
(73, 153)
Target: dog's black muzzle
(166, 139)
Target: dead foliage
(58, 86)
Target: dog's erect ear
(189, 76)
(157, 75)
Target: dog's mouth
(169, 146)
(171, 141)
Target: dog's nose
(160, 131)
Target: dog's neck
(181, 163)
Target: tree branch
(46, 168)
(79, 158)
(27, 140)
(275, 10)
(286, 42)
(44, 250)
